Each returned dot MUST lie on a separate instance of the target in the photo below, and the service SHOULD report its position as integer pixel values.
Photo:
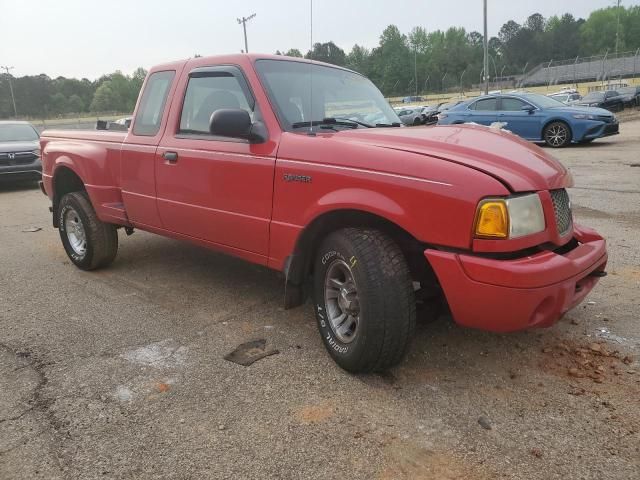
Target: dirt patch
(630, 273)
(594, 361)
(311, 414)
(406, 460)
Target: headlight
(584, 115)
(509, 217)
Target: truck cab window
(154, 99)
(208, 93)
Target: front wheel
(557, 134)
(89, 243)
(364, 300)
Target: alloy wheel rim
(75, 232)
(557, 135)
(342, 302)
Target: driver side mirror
(236, 123)
(528, 108)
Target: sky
(88, 38)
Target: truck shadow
(7, 186)
(201, 285)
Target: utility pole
(13, 98)
(244, 21)
(486, 52)
(617, 26)
(415, 67)
(523, 73)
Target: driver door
(212, 188)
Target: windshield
(593, 97)
(337, 94)
(542, 101)
(17, 132)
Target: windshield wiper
(364, 124)
(330, 122)
(394, 124)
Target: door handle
(170, 157)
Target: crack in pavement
(39, 403)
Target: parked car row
(613, 100)
(535, 117)
(424, 115)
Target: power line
(244, 21)
(13, 98)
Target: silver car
(411, 116)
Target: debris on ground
(250, 352)
(485, 423)
(31, 229)
(592, 361)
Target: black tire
(100, 244)
(557, 134)
(384, 294)
(417, 121)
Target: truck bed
(94, 135)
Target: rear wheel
(364, 300)
(89, 243)
(557, 134)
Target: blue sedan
(536, 118)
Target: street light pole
(486, 52)
(617, 26)
(13, 98)
(244, 21)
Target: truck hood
(521, 166)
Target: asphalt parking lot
(120, 373)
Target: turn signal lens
(492, 220)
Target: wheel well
(65, 181)
(299, 265)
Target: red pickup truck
(304, 167)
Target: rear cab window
(152, 104)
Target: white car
(567, 97)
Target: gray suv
(19, 151)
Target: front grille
(17, 158)
(562, 210)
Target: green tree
(57, 104)
(359, 59)
(327, 52)
(293, 52)
(75, 104)
(105, 99)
